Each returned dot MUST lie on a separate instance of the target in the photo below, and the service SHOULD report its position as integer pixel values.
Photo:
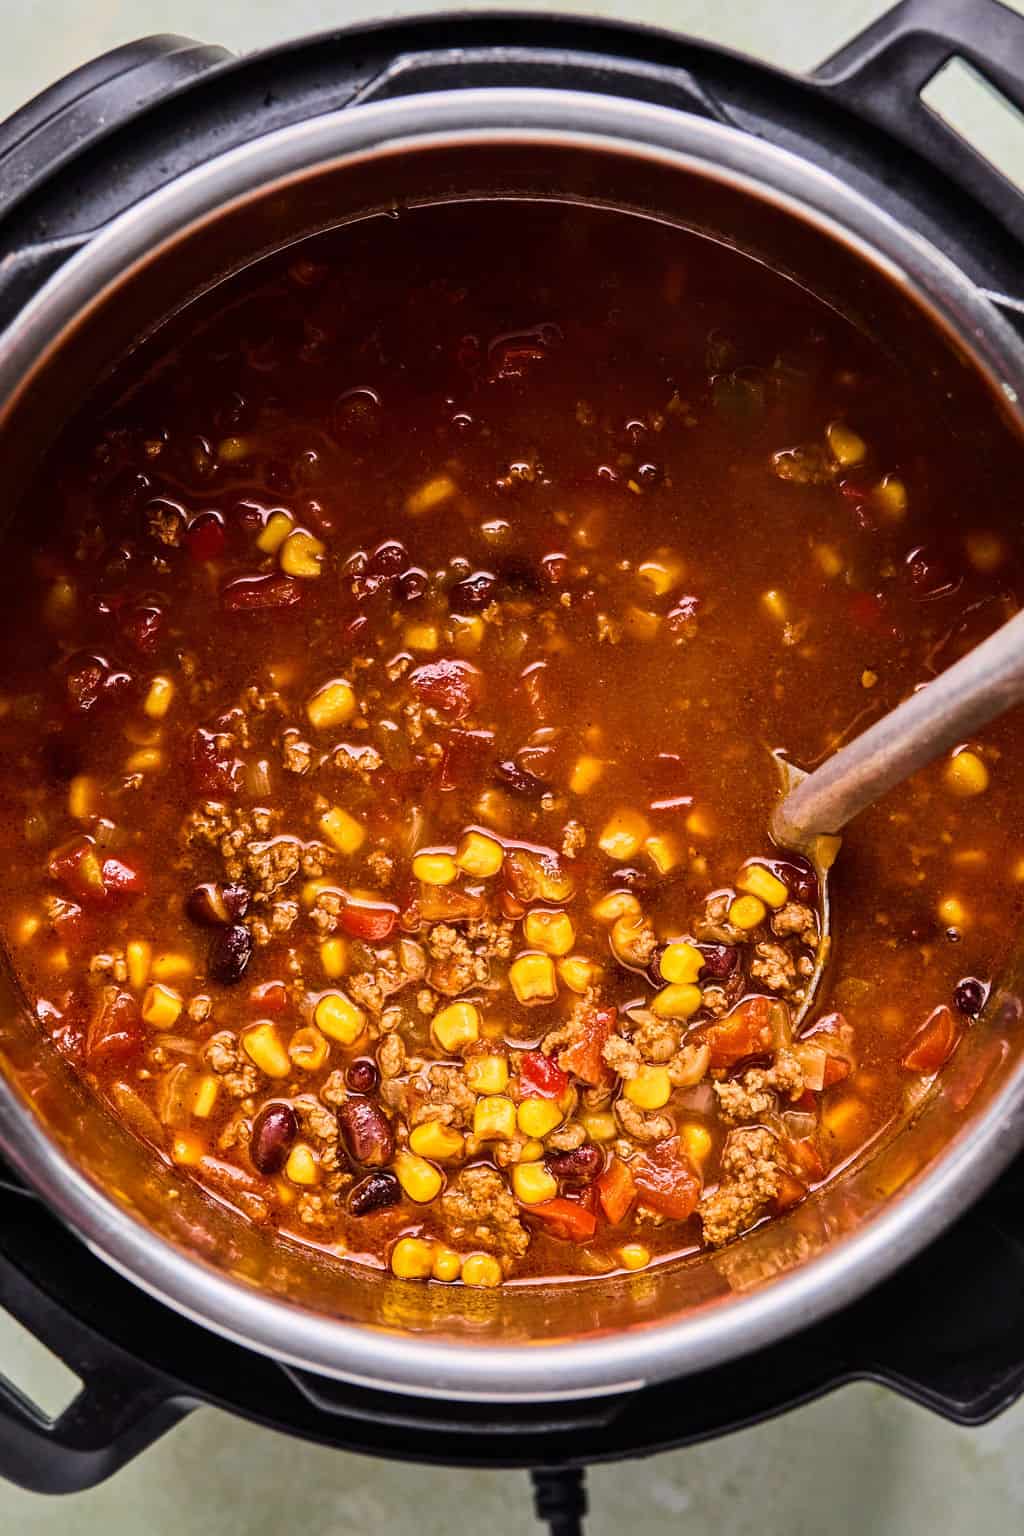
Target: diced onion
(812, 1061)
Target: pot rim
(373, 1356)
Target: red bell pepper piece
(932, 1044)
(453, 687)
(370, 922)
(566, 1219)
(269, 997)
(205, 537)
(583, 1056)
(616, 1190)
(96, 881)
(465, 755)
(790, 1191)
(805, 1155)
(667, 1180)
(114, 1032)
(540, 1077)
(260, 594)
(745, 1032)
(836, 1069)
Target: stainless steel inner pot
(580, 1338)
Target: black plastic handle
(881, 74)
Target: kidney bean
(453, 687)
(719, 961)
(230, 953)
(578, 1166)
(473, 593)
(92, 680)
(969, 996)
(211, 905)
(798, 876)
(519, 780)
(255, 594)
(374, 1193)
(141, 626)
(362, 1076)
(205, 537)
(366, 1132)
(273, 1132)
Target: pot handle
(881, 73)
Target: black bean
(519, 780)
(969, 996)
(650, 474)
(236, 899)
(273, 1132)
(797, 875)
(362, 1076)
(230, 953)
(206, 906)
(472, 593)
(366, 1132)
(374, 1193)
(719, 961)
(388, 559)
(412, 585)
(578, 1166)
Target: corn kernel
(494, 1118)
(966, 774)
(600, 1125)
(420, 1180)
(187, 1149)
(746, 912)
(455, 1026)
(634, 1256)
(890, 497)
(578, 973)
(467, 634)
(447, 1264)
(868, 678)
(437, 1141)
(615, 905)
(531, 1150)
(158, 698)
(759, 881)
(301, 554)
(481, 1269)
(333, 958)
(662, 852)
(680, 962)
(696, 1140)
(262, 1045)
(421, 637)
(623, 835)
(651, 1088)
(952, 912)
(26, 929)
(532, 978)
(495, 808)
(312, 889)
(342, 830)
(160, 1006)
(829, 560)
(640, 623)
(532, 1183)
(171, 965)
(774, 604)
(82, 796)
(698, 824)
(146, 760)
(660, 576)
(412, 1258)
(846, 445)
(308, 1049)
(986, 551)
(204, 1095)
(585, 773)
(303, 1166)
(551, 932)
(435, 868)
(538, 1117)
(339, 1018)
(479, 855)
(676, 1001)
(275, 530)
(487, 1074)
(332, 705)
(430, 495)
(137, 954)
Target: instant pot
(138, 182)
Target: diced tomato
(213, 772)
(453, 687)
(664, 779)
(583, 1056)
(867, 611)
(836, 1069)
(540, 1077)
(808, 1100)
(566, 1219)
(745, 1032)
(370, 922)
(205, 537)
(97, 882)
(67, 920)
(269, 997)
(804, 1153)
(616, 1190)
(260, 594)
(790, 1193)
(465, 753)
(933, 1043)
(114, 1031)
(121, 881)
(667, 1180)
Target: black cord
(560, 1499)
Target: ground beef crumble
(479, 1212)
(749, 1180)
(757, 1091)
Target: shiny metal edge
(372, 1357)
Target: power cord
(560, 1499)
